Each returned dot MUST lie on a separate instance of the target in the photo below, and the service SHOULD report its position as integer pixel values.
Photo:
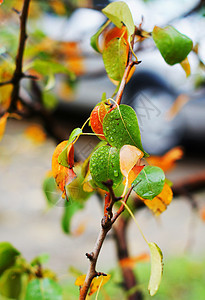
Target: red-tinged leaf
(129, 156)
(1, 1)
(70, 155)
(161, 201)
(133, 174)
(96, 119)
(130, 262)
(3, 121)
(168, 160)
(62, 175)
(115, 33)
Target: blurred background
(171, 113)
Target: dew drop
(115, 173)
(111, 138)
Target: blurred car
(150, 93)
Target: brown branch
(18, 74)
(5, 82)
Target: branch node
(90, 255)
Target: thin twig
(6, 82)
(18, 74)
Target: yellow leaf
(62, 175)
(160, 202)
(167, 161)
(3, 121)
(80, 280)
(98, 281)
(186, 66)
(35, 133)
(58, 7)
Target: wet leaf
(149, 183)
(130, 262)
(168, 160)
(3, 121)
(43, 289)
(120, 127)
(105, 165)
(115, 56)
(186, 66)
(62, 175)
(156, 268)
(173, 45)
(63, 156)
(129, 156)
(95, 38)
(8, 256)
(160, 202)
(10, 283)
(119, 13)
(96, 118)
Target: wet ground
(31, 228)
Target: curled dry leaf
(161, 201)
(63, 175)
(3, 121)
(167, 161)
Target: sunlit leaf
(120, 127)
(43, 289)
(115, 56)
(133, 174)
(173, 45)
(130, 262)
(129, 156)
(80, 280)
(63, 157)
(8, 256)
(10, 283)
(119, 13)
(95, 38)
(186, 66)
(156, 268)
(3, 121)
(160, 202)
(98, 281)
(36, 134)
(149, 183)
(114, 33)
(168, 160)
(62, 175)
(105, 165)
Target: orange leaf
(35, 133)
(167, 161)
(80, 280)
(62, 175)
(115, 33)
(186, 66)
(3, 121)
(178, 104)
(202, 214)
(129, 156)
(131, 261)
(96, 118)
(161, 201)
(133, 174)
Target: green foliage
(10, 283)
(119, 13)
(8, 255)
(69, 212)
(121, 128)
(94, 39)
(43, 289)
(105, 165)
(149, 183)
(115, 58)
(173, 45)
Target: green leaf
(43, 289)
(119, 13)
(105, 165)
(49, 100)
(69, 212)
(156, 268)
(40, 259)
(120, 127)
(115, 58)
(149, 183)
(50, 190)
(63, 157)
(173, 45)
(95, 37)
(8, 256)
(10, 283)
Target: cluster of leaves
(20, 279)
